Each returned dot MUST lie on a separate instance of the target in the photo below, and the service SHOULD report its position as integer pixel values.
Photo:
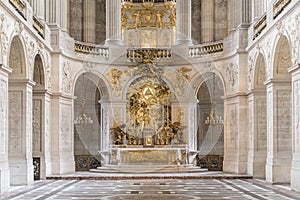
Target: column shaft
(183, 22)
(207, 18)
(113, 22)
(89, 21)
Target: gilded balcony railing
(20, 6)
(38, 26)
(279, 6)
(204, 50)
(148, 54)
(91, 49)
(260, 25)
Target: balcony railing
(151, 54)
(91, 49)
(260, 25)
(148, 1)
(38, 26)
(20, 6)
(205, 50)
(279, 6)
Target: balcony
(206, 50)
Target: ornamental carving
(88, 66)
(250, 73)
(179, 79)
(3, 35)
(66, 78)
(232, 76)
(114, 80)
(48, 71)
(15, 121)
(19, 27)
(36, 125)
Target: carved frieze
(115, 81)
(88, 66)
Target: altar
(156, 155)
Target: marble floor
(149, 189)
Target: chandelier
(213, 118)
(82, 118)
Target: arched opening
(258, 122)
(20, 117)
(210, 132)
(87, 129)
(279, 134)
(40, 120)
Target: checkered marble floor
(151, 189)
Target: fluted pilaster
(183, 22)
(56, 13)
(207, 19)
(89, 20)
(113, 22)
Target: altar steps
(148, 169)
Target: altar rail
(204, 50)
(91, 49)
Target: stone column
(207, 20)
(62, 135)
(89, 21)
(257, 152)
(4, 167)
(231, 15)
(183, 22)
(40, 9)
(279, 149)
(295, 172)
(40, 133)
(20, 132)
(113, 22)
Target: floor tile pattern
(151, 189)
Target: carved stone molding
(232, 76)
(250, 74)
(66, 78)
(4, 25)
(88, 66)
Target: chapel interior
(136, 85)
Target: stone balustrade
(20, 6)
(204, 50)
(279, 6)
(91, 49)
(259, 26)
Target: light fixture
(82, 118)
(213, 118)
